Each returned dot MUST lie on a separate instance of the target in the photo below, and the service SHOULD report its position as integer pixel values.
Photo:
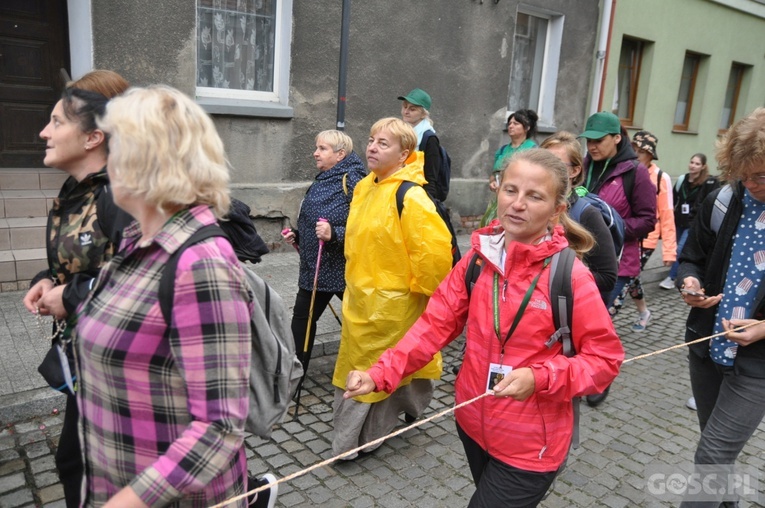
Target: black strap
(400, 193)
(628, 181)
(562, 299)
(658, 181)
(473, 271)
(166, 293)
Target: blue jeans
(614, 305)
(682, 236)
(730, 407)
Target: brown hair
(107, 83)
(704, 173)
(579, 239)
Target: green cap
(418, 97)
(600, 125)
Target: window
(731, 96)
(534, 68)
(685, 94)
(625, 91)
(243, 56)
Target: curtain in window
(235, 44)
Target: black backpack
(562, 299)
(445, 171)
(440, 208)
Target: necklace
(58, 327)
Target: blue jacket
(326, 198)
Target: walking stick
(337, 318)
(306, 354)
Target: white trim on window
(273, 103)
(543, 99)
(80, 37)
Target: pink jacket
(535, 434)
(665, 215)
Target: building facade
(267, 71)
(685, 70)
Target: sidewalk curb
(20, 406)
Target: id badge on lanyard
(497, 371)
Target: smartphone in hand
(693, 293)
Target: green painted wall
(670, 28)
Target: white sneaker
(667, 283)
(691, 404)
(642, 323)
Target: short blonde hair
(165, 149)
(742, 148)
(399, 129)
(337, 140)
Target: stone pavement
(643, 425)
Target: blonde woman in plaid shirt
(163, 408)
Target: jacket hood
(617, 165)
(489, 242)
(624, 153)
(413, 170)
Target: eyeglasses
(758, 179)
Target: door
(33, 49)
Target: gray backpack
(275, 370)
(721, 207)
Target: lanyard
(687, 197)
(589, 173)
(518, 315)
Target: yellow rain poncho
(392, 267)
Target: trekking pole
(334, 312)
(337, 318)
(306, 354)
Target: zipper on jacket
(544, 431)
(504, 291)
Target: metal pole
(343, 64)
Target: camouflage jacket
(84, 230)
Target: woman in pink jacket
(517, 439)
(644, 143)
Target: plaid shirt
(165, 412)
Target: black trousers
(68, 456)
(499, 484)
(300, 319)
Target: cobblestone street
(643, 424)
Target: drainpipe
(604, 48)
(344, 28)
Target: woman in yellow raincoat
(393, 265)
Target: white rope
(445, 412)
